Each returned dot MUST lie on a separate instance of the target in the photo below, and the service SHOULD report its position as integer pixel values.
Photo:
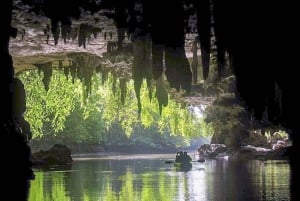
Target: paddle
(199, 161)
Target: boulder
(261, 153)
(275, 137)
(212, 150)
(257, 139)
(58, 155)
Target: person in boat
(182, 157)
(179, 157)
(186, 158)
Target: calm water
(149, 178)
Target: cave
(254, 37)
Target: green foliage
(229, 122)
(60, 100)
(223, 115)
(35, 97)
(283, 134)
(280, 133)
(87, 130)
(52, 106)
(67, 114)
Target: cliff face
(35, 35)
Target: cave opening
(197, 48)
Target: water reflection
(150, 178)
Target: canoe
(183, 165)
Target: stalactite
(137, 70)
(142, 67)
(73, 70)
(96, 31)
(121, 37)
(88, 70)
(114, 84)
(47, 33)
(150, 84)
(83, 67)
(220, 32)
(79, 65)
(67, 69)
(60, 64)
(104, 75)
(171, 37)
(137, 89)
(46, 68)
(161, 93)
(55, 30)
(111, 47)
(178, 71)
(99, 68)
(204, 31)
(157, 61)
(82, 35)
(65, 31)
(123, 88)
(85, 32)
(195, 62)
(73, 33)
(120, 21)
(148, 65)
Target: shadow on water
(184, 167)
(46, 168)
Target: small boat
(183, 161)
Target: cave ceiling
(91, 38)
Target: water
(149, 178)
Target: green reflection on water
(272, 177)
(49, 189)
(96, 181)
(153, 180)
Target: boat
(183, 166)
(183, 161)
(186, 164)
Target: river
(148, 177)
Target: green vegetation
(66, 114)
(230, 121)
